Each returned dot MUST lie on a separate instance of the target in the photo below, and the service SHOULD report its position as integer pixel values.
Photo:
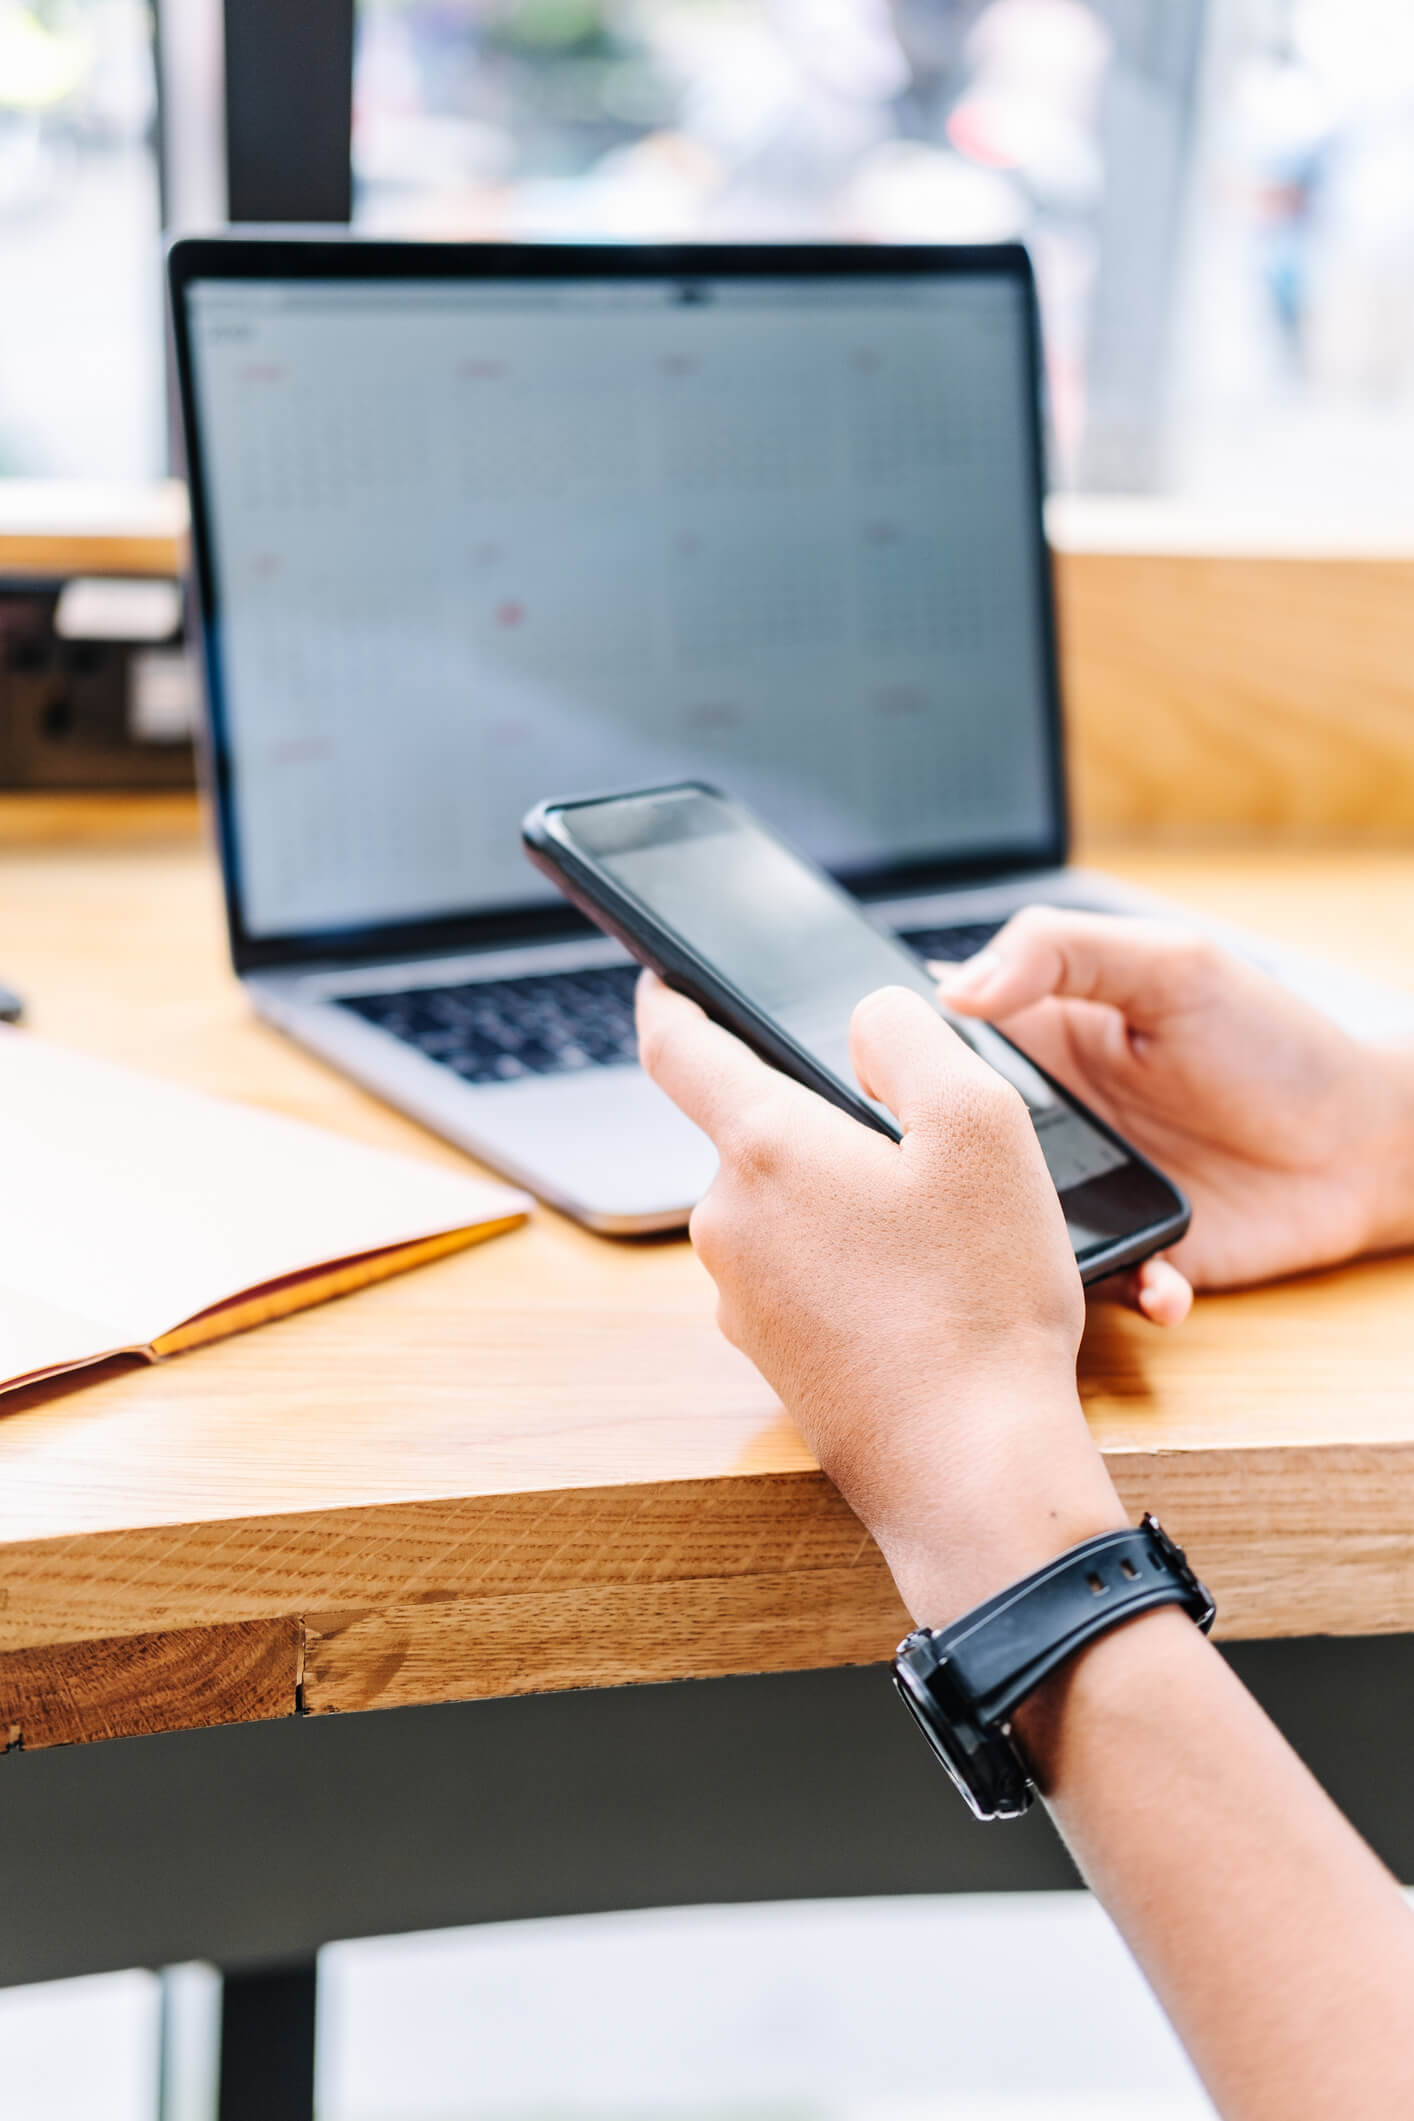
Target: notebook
(138, 1217)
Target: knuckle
(1193, 963)
(705, 1228)
(730, 1324)
(991, 1111)
(1001, 1106)
(751, 1139)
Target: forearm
(918, 1310)
(1279, 1946)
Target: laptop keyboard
(554, 1023)
(491, 1031)
(951, 945)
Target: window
(921, 120)
(1219, 197)
(1293, 377)
(81, 346)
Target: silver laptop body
(477, 524)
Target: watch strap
(1002, 1650)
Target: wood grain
(67, 1693)
(432, 1552)
(1262, 1541)
(534, 1642)
(537, 1463)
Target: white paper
(128, 1205)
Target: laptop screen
(476, 541)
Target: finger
(1146, 969)
(905, 1055)
(706, 1072)
(1156, 1289)
(1163, 1294)
(1076, 1042)
(1082, 1044)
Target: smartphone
(700, 890)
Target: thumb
(906, 1057)
(1147, 970)
(1162, 1293)
(1156, 1288)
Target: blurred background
(1219, 194)
(785, 2012)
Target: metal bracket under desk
(252, 1845)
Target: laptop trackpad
(606, 1143)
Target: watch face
(982, 1765)
(944, 1746)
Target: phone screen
(801, 953)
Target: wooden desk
(537, 1465)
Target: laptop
(474, 524)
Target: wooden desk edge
(182, 1626)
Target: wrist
(1034, 1486)
(1389, 1160)
(1122, 1675)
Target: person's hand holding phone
(917, 1306)
(1293, 1141)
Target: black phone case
(630, 923)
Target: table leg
(238, 2046)
(267, 2045)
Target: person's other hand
(916, 1305)
(1294, 1142)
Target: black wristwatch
(962, 1683)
